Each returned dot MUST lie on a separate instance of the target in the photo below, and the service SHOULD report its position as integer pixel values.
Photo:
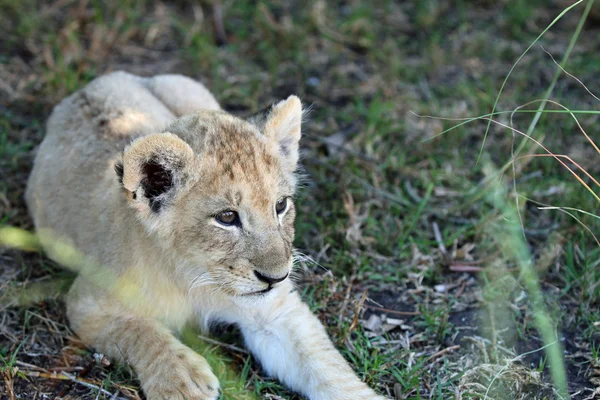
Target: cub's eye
(281, 205)
(228, 218)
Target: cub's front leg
(166, 368)
(292, 345)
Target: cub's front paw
(184, 376)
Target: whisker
(299, 257)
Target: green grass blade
(563, 62)
(418, 213)
(465, 121)
(515, 248)
(566, 10)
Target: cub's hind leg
(180, 94)
(166, 368)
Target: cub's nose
(268, 279)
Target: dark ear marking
(285, 147)
(157, 181)
(260, 118)
(119, 170)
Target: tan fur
(156, 258)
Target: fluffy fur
(133, 173)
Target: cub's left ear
(281, 123)
(155, 169)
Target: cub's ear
(281, 122)
(155, 169)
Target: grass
(396, 205)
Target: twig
(85, 383)
(27, 365)
(387, 310)
(346, 297)
(442, 352)
(221, 344)
(357, 309)
(465, 268)
(66, 376)
(440, 242)
(461, 289)
(82, 381)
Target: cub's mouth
(259, 292)
(271, 282)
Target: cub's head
(216, 193)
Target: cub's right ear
(155, 169)
(281, 123)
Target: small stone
(441, 288)
(374, 323)
(394, 321)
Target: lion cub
(183, 213)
